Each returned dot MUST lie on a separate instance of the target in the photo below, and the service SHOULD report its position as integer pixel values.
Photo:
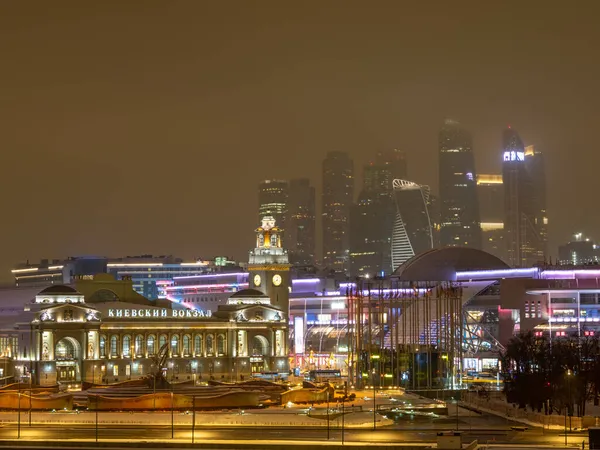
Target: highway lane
(203, 434)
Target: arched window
(198, 345)
(221, 344)
(175, 345)
(114, 346)
(210, 349)
(150, 345)
(186, 345)
(162, 340)
(126, 346)
(102, 347)
(139, 345)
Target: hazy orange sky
(132, 127)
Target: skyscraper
(412, 225)
(372, 217)
(300, 222)
(524, 202)
(272, 200)
(459, 209)
(490, 192)
(379, 173)
(534, 159)
(337, 197)
(579, 251)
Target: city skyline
(149, 113)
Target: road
(202, 434)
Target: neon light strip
(212, 275)
(134, 264)
(55, 267)
(204, 286)
(502, 273)
(306, 280)
(200, 263)
(570, 273)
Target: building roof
(59, 289)
(441, 264)
(244, 293)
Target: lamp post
(30, 390)
(328, 412)
(374, 404)
(568, 401)
(343, 412)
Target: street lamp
(374, 405)
(568, 401)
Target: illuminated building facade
(300, 230)
(273, 200)
(337, 198)
(459, 208)
(150, 274)
(490, 192)
(100, 330)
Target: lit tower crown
(268, 264)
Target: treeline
(555, 376)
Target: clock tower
(268, 266)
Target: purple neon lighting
(569, 273)
(501, 273)
(212, 275)
(307, 280)
(204, 286)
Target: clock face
(256, 280)
(277, 280)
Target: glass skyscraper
(337, 198)
(272, 201)
(300, 222)
(413, 231)
(525, 220)
(372, 217)
(459, 208)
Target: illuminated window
(210, 350)
(102, 347)
(114, 346)
(175, 345)
(115, 370)
(186, 344)
(150, 345)
(139, 345)
(221, 344)
(126, 346)
(198, 344)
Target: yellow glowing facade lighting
(55, 267)
(492, 226)
(489, 179)
(530, 150)
(32, 269)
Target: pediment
(68, 312)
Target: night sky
(131, 127)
